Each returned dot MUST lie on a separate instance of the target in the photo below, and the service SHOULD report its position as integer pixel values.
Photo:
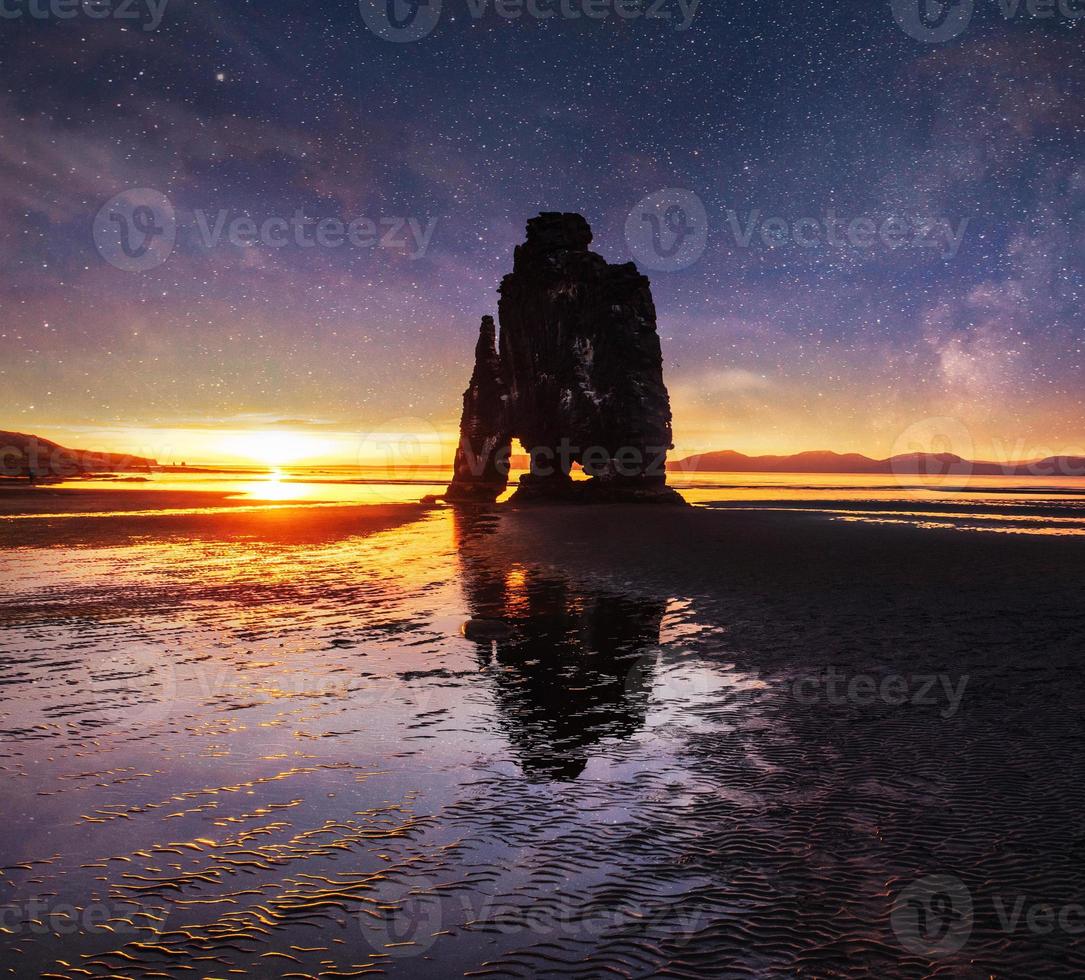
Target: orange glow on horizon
(271, 447)
(406, 445)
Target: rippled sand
(258, 744)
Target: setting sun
(272, 447)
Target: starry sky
(794, 112)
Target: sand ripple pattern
(283, 760)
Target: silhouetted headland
(34, 458)
(904, 464)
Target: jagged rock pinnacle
(577, 377)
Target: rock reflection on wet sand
(280, 756)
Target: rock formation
(481, 470)
(577, 378)
(34, 458)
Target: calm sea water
(1010, 504)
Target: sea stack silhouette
(576, 375)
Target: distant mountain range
(907, 464)
(23, 455)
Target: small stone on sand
(486, 629)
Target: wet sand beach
(713, 741)
(45, 517)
